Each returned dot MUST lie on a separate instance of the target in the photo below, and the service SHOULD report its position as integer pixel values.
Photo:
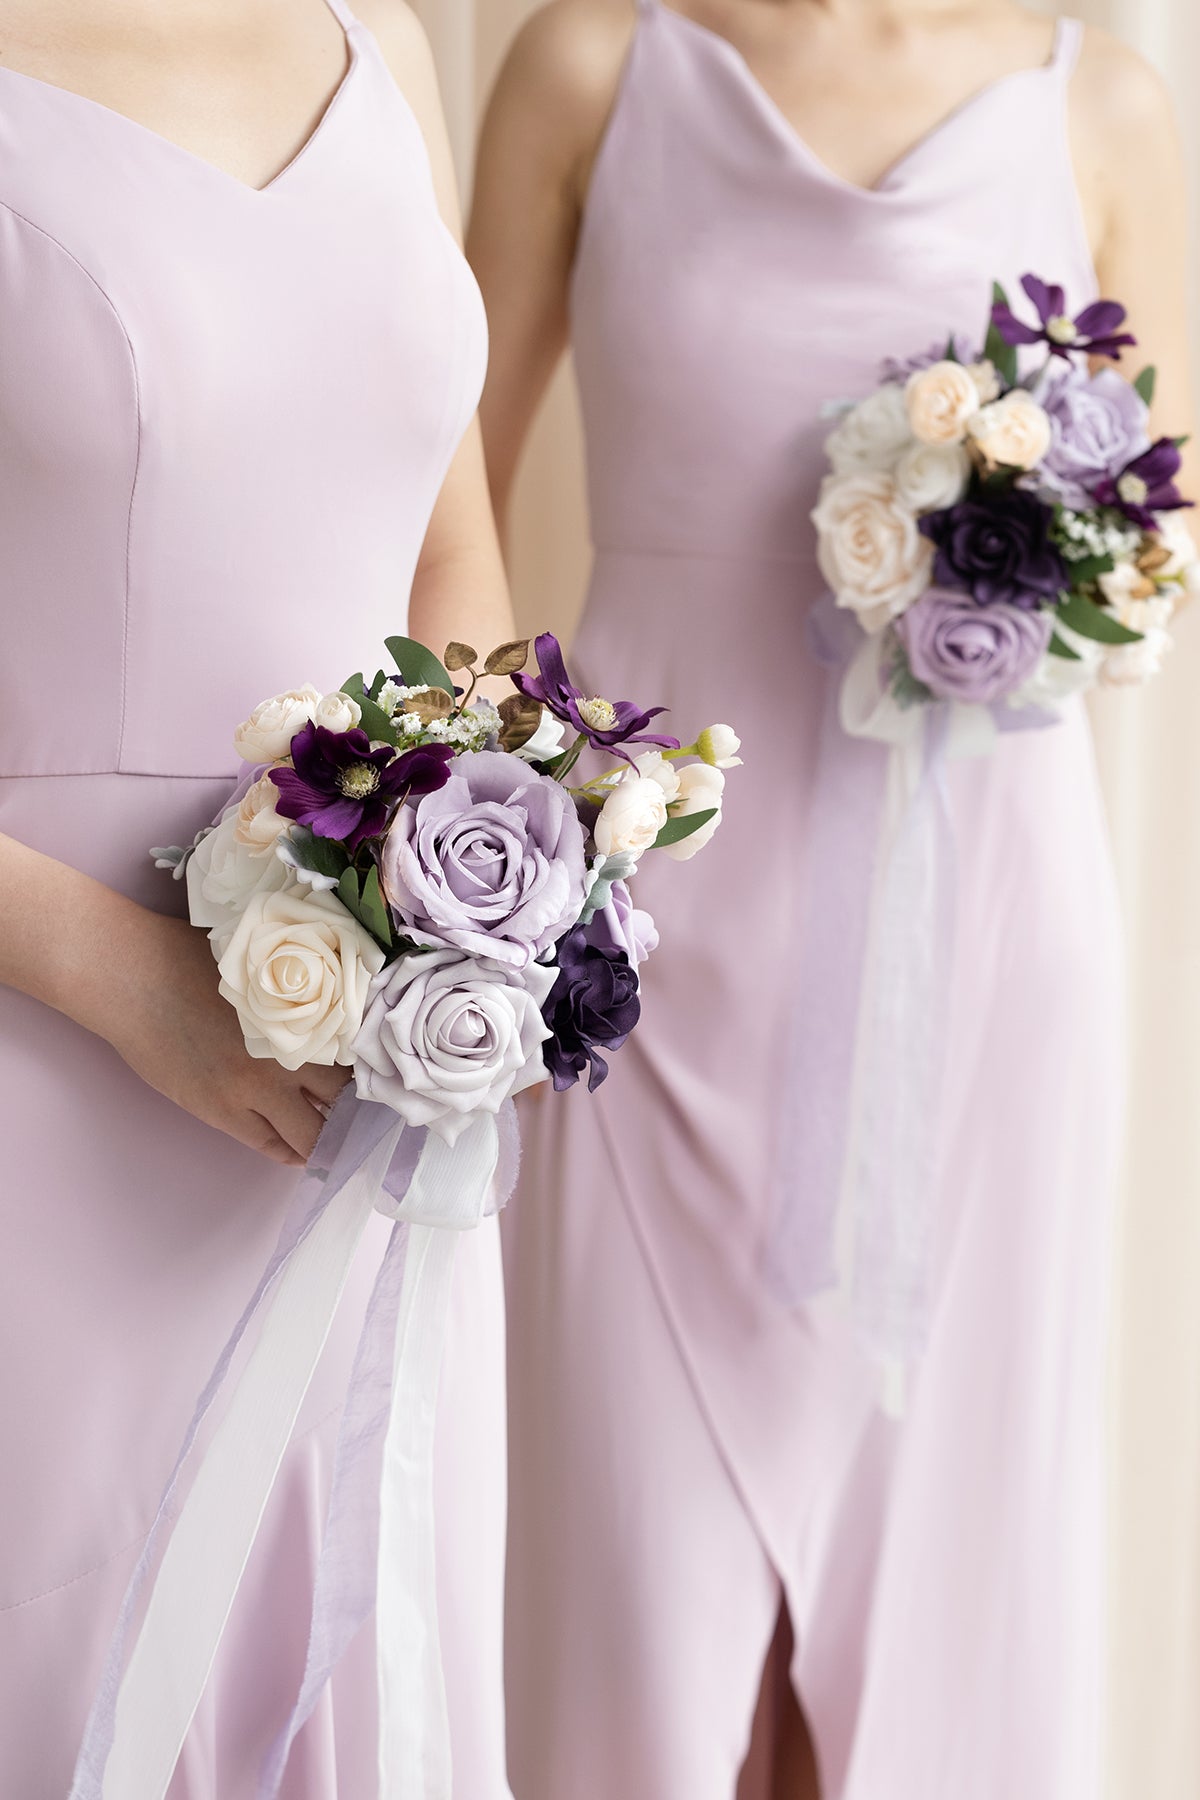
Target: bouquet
(1010, 538)
(410, 882)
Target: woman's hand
(181, 1037)
(149, 986)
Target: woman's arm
(543, 127)
(1131, 174)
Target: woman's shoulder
(569, 53)
(1117, 91)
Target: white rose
(445, 1036)
(1059, 678)
(337, 712)
(257, 825)
(987, 381)
(869, 548)
(546, 741)
(632, 816)
(940, 402)
(1128, 665)
(1184, 566)
(701, 788)
(298, 969)
(872, 434)
(932, 476)
(719, 745)
(656, 767)
(222, 873)
(266, 736)
(1012, 433)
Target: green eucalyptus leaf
(1146, 383)
(418, 666)
(1059, 647)
(349, 892)
(354, 687)
(1090, 568)
(373, 909)
(323, 855)
(1002, 355)
(376, 724)
(1091, 621)
(682, 826)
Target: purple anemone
(604, 724)
(343, 789)
(1096, 331)
(1146, 485)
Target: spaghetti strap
(342, 14)
(1068, 42)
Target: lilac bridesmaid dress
(685, 1449)
(225, 416)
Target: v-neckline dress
(225, 416)
(685, 1449)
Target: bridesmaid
(734, 210)
(242, 355)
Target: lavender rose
(445, 1036)
(593, 1005)
(964, 651)
(623, 926)
(999, 549)
(493, 862)
(1098, 425)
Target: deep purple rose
(593, 1006)
(1096, 331)
(494, 862)
(963, 651)
(1146, 486)
(605, 724)
(1099, 426)
(341, 788)
(999, 549)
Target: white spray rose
(266, 736)
(632, 816)
(222, 873)
(337, 712)
(701, 788)
(257, 824)
(987, 381)
(1128, 665)
(941, 401)
(1013, 433)
(872, 434)
(546, 741)
(298, 968)
(869, 548)
(932, 476)
(719, 745)
(656, 767)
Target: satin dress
(686, 1449)
(225, 417)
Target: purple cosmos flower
(604, 724)
(592, 1006)
(1096, 331)
(341, 788)
(977, 654)
(1146, 485)
(999, 549)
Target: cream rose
(221, 875)
(266, 736)
(257, 825)
(872, 434)
(940, 401)
(1012, 433)
(987, 381)
(701, 787)
(869, 548)
(337, 712)
(932, 476)
(632, 816)
(298, 969)
(656, 767)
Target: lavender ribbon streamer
(856, 1157)
(353, 1131)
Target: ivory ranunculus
(298, 969)
(632, 816)
(872, 434)
(445, 1036)
(266, 736)
(931, 476)
(257, 825)
(221, 875)
(701, 787)
(337, 712)
(941, 401)
(869, 548)
(1012, 433)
